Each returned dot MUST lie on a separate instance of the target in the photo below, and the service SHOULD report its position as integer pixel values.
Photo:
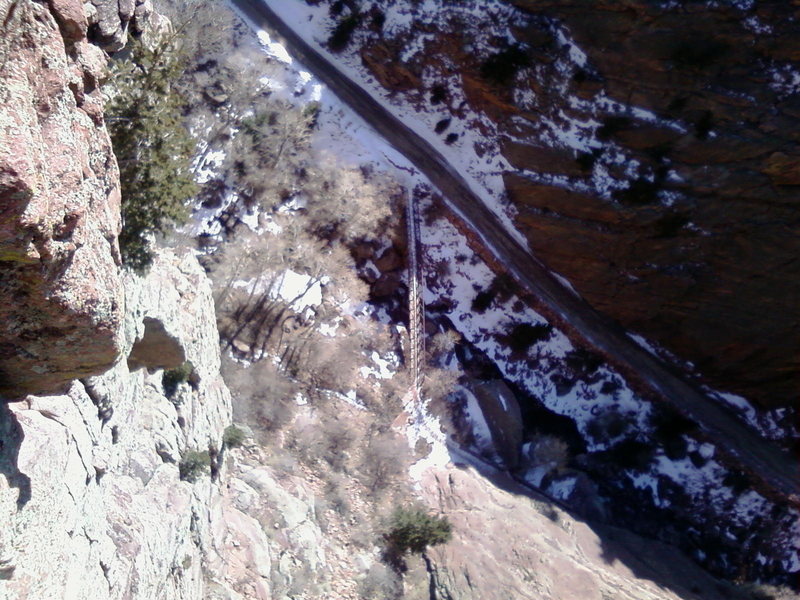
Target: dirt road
(777, 471)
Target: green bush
(341, 34)
(172, 378)
(194, 464)
(413, 530)
(154, 149)
(503, 66)
(233, 437)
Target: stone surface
(97, 509)
(71, 18)
(60, 283)
(508, 545)
(91, 502)
(110, 28)
(112, 20)
(503, 417)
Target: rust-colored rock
(61, 296)
(699, 254)
(507, 544)
(70, 17)
(783, 169)
(390, 71)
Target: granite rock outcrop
(97, 508)
(61, 299)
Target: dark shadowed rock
(156, 349)
(390, 260)
(501, 411)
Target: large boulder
(508, 543)
(61, 298)
(503, 417)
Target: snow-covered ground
(465, 279)
(344, 138)
(475, 153)
(483, 172)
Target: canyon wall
(61, 299)
(92, 503)
(652, 159)
(712, 272)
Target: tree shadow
(11, 436)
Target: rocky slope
(654, 476)
(93, 503)
(649, 149)
(510, 545)
(59, 190)
(712, 208)
(99, 510)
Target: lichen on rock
(60, 281)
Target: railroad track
(774, 472)
(416, 308)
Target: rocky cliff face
(61, 290)
(508, 545)
(61, 299)
(91, 503)
(651, 153)
(93, 506)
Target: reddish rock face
(692, 240)
(715, 276)
(61, 296)
(509, 544)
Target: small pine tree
(153, 147)
(193, 464)
(341, 34)
(233, 437)
(413, 530)
(172, 378)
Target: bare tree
(263, 396)
(442, 344)
(349, 205)
(385, 459)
